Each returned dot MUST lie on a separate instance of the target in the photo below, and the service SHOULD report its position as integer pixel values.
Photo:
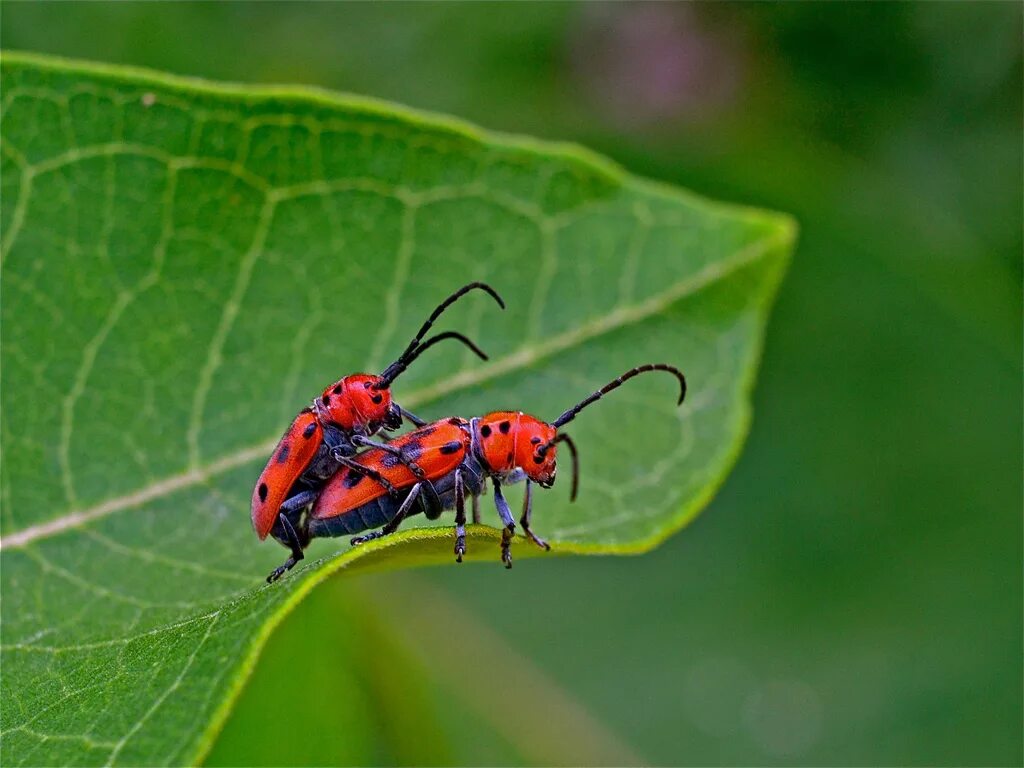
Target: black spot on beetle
(485, 430)
(377, 399)
(504, 427)
(282, 455)
(451, 447)
(534, 440)
(337, 389)
(309, 430)
(367, 385)
(263, 491)
(352, 479)
(538, 459)
(326, 399)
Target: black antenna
(570, 414)
(441, 337)
(415, 348)
(575, 461)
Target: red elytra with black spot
(295, 450)
(438, 448)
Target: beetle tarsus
(507, 533)
(537, 540)
(296, 546)
(278, 572)
(368, 537)
(527, 513)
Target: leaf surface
(186, 265)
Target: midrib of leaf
(526, 356)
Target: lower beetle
(457, 456)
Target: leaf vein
(214, 353)
(162, 697)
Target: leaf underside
(185, 266)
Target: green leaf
(186, 265)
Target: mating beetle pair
(318, 490)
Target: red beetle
(456, 456)
(326, 435)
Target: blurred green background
(854, 593)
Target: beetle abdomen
(372, 514)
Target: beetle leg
(506, 519)
(373, 474)
(396, 521)
(299, 500)
(517, 475)
(430, 502)
(460, 517)
(296, 555)
(412, 465)
(525, 519)
(416, 420)
(476, 502)
(338, 444)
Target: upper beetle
(325, 435)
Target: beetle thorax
(510, 440)
(354, 404)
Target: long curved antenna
(447, 335)
(397, 367)
(415, 348)
(575, 461)
(570, 414)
